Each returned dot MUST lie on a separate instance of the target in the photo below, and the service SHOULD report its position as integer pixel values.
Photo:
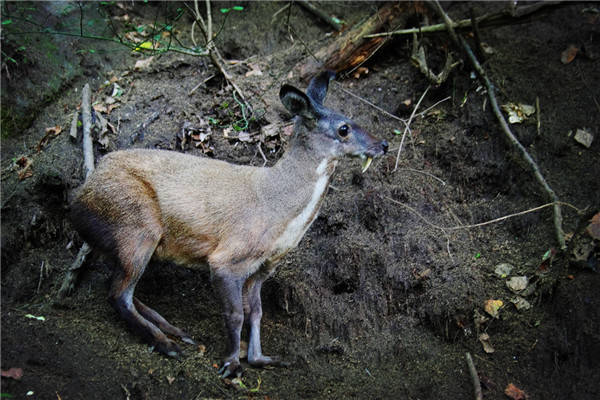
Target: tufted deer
(240, 219)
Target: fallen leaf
(593, 229)
(520, 303)
(201, 349)
(25, 170)
(100, 108)
(14, 373)
(503, 270)
(51, 133)
(517, 283)
(492, 307)
(569, 54)
(515, 393)
(41, 318)
(170, 379)
(255, 71)
(484, 339)
(517, 113)
(584, 137)
(142, 65)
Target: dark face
(330, 131)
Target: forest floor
(387, 291)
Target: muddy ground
(377, 301)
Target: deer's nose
(384, 145)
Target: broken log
(351, 49)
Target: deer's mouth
(372, 152)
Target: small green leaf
(157, 37)
(478, 255)
(35, 317)
(6, 395)
(92, 51)
(397, 132)
(11, 60)
(7, 21)
(336, 20)
(238, 8)
(168, 27)
(21, 48)
(224, 10)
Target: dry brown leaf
(100, 108)
(484, 338)
(51, 133)
(25, 170)
(492, 307)
(569, 54)
(515, 393)
(593, 228)
(14, 373)
(170, 379)
(141, 65)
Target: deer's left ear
(317, 88)
(296, 102)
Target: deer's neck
(298, 184)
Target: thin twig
(422, 113)
(369, 103)
(41, 277)
(86, 117)
(493, 221)
(474, 377)
(407, 128)
(321, 14)
(424, 173)
(560, 236)
(262, 154)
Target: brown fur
(240, 219)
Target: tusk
(366, 164)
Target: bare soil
(378, 300)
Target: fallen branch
(88, 160)
(560, 235)
(501, 18)
(335, 24)
(351, 49)
(418, 58)
(474, 377)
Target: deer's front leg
(229, 289)
(253, 315)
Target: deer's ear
(296, 101)
(317, 88)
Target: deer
(141, 204)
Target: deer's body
(204, 209)
(140, 204)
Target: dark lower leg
(229, 289)
(160, 322)
(151, 333)
(134, 256)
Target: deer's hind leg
(135, 249)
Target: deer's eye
(343, 130)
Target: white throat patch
(296, 228)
